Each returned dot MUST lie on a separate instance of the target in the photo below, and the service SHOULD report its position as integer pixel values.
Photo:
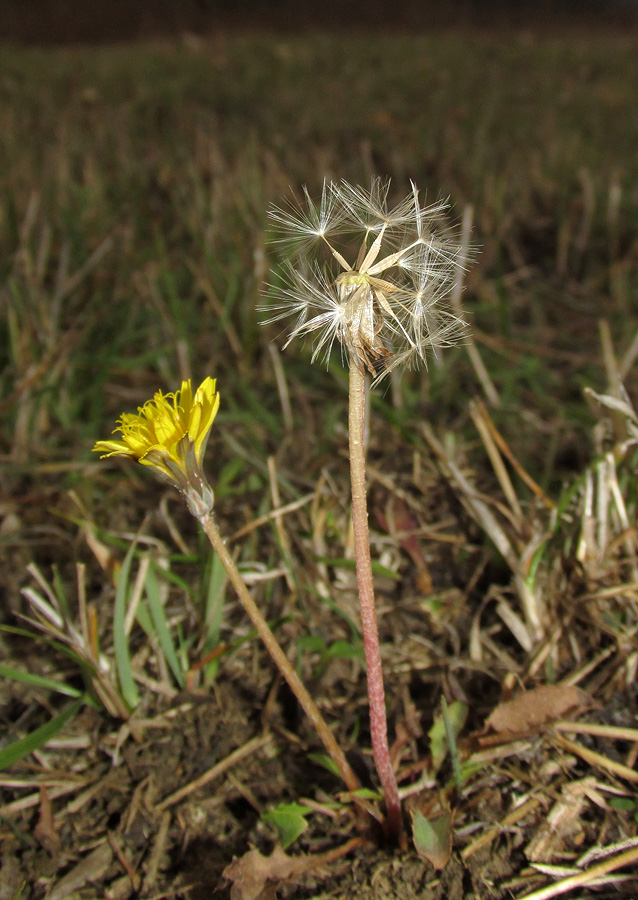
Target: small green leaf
(439, 738)
(322, 759)
(438, 744)
(289, 820)
(351, 564)
(311, 643)
(365, 793)
(454, 717)
(432, 840)
(344, 650)
(38, 738)
(626, 804)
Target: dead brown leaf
(251, 873)
(45, 831)
(255, 877)
(531, 710)
(397, 517)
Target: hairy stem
(376, 693)
(279, 658)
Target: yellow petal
(111, 448)
(208, 402)
(184, 402)
(194, 420)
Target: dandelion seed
(385, 308)
(304, 225)
(169, 434)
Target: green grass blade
(214, 602)
(160, 625)
(215, 582)
(39, 681)
(128, 687)
(58, 646)
(60, 593)
(38, 738)
(143, 618)
(453, 720)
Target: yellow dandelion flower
(169, 434)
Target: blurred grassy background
(68, 21)
(134, 185)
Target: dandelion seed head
(368, 276)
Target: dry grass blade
(159, 846)
(67, 285)
(478, 417)
(609, 357)
(55, 789)
(472, 501)
(597, 759)
(627, 858)
(612, 732)
(482, 514)
(274, 514)
(524, 809)
(87, 871)
(629, 358)
(598, 852)
(282, 534)
(52, 620)
(252, 746)
(455, 298)
(483, 415)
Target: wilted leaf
(399, 519)
(433, 839)
(622, 413)
(45, 831)
(531, 710)
(623, 407)
(254, 875)
(251, 874)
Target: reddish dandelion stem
(376, 692)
